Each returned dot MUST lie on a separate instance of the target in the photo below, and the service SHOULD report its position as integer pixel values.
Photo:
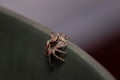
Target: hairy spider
(55, 44)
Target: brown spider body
(56, 42)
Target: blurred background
(94, 25)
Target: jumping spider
(55, 44)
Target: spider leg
(65, 44)
(57, 56)
(60, 51)
(49, 59)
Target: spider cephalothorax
(55, 44)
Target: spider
(55, 44)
